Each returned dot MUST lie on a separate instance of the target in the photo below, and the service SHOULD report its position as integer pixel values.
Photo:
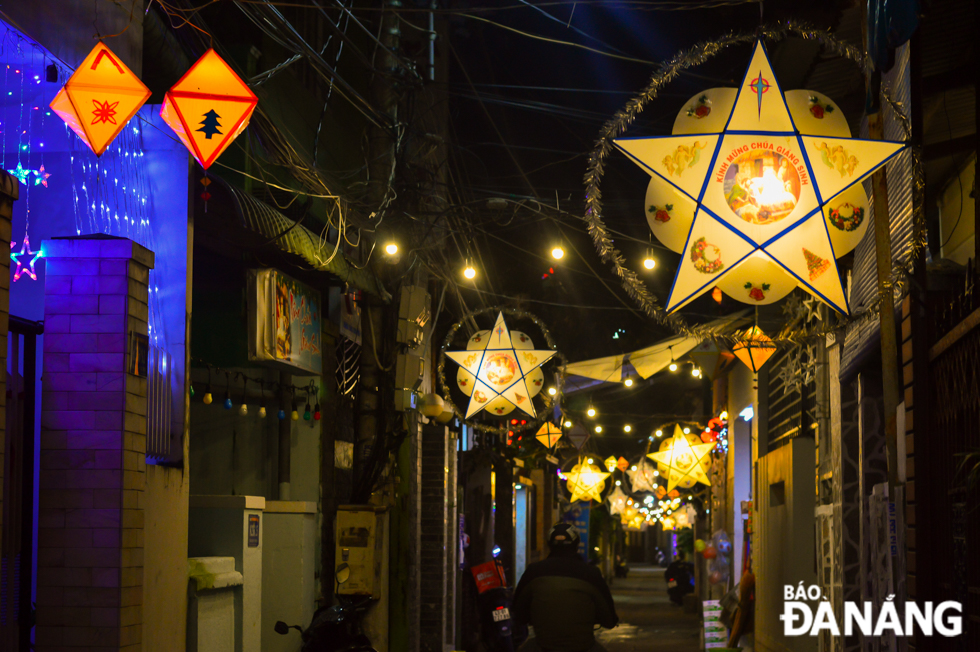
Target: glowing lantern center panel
(761, 186)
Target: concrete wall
(66, 27)
(165, 558)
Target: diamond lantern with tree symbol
(754, 348)
(208, 107)
(684, 459)
(759, 190)
(500, 370)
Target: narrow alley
(648, 620)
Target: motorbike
(680, 581)
(336, 628)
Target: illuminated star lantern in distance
(684, 459)
(644, 477)
(499, 405)
(617, 501)
(100, 98)
(586, 482)
(548, 434)
(760, 191)
(500, 371)
(208, 108)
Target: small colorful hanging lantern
(208, 108)
(622, 464)
(754, 349)
(548, 434)
(100, 98)
(610, 463)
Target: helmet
(563, 535)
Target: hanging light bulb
(598, 429)
(673, 366)
(696, 372)
(628, 382)
(591, 411)
(649, 261)
(568, 424)
(207, 395)
(558, 252)
(281, 415)
(307, 414)
(294, 416)
(687, 430)
(660, 433)
(469, 271)
(228, 403)
(552, 391)
(262, 412)
(391, 248)
(192, 391)
(627, 428)
(243, 408)
(316, 412)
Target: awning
(651, 359)
(300, 241)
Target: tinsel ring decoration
(532, 424)
(668, 71)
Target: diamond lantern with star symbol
(617, 501)
(643, 477)
(586, 482)
(764, 189)
(500, 370)
(684, 459)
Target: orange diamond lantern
(100, 98)
(754, 349)
(208, 107)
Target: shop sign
(284, 322)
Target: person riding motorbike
(563, 597)
(680, 580)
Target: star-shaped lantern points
(22, 268)
(684, 460)
(644, 477)
(617, 501)
(759, 190)
(499, 371)
(586, 482)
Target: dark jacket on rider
(563, 597)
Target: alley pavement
(648, 620)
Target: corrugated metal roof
(300, 241)
(863, 287)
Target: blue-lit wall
(137, 189)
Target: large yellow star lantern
(684, 460)
(499, 371)
(586, 482)
(759, 190)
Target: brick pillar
(93, 446)
(9, 189)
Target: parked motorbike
(680, 581)
(336, 628)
